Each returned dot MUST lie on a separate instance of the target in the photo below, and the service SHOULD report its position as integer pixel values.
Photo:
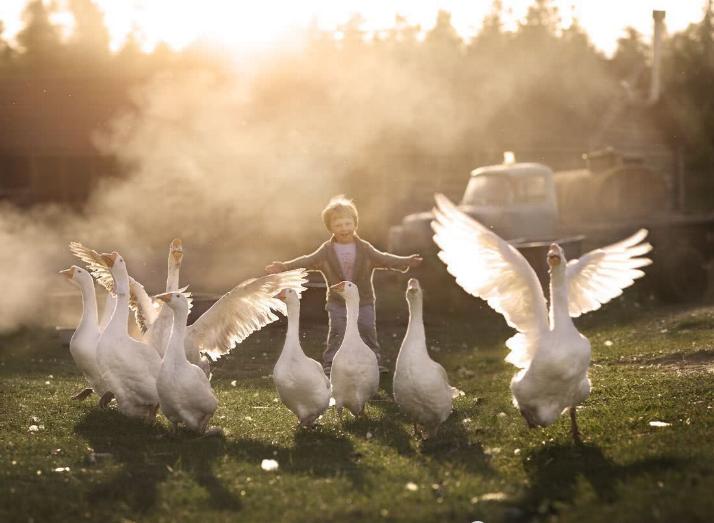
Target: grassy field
(650, 363)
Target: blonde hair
(339, 206)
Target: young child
(347, 257)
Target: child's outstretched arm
(387, 260)
(308, 261)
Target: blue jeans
(366, 323)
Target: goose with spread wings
(551, 355)
(145, 308)
(246, 308)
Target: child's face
(343, 227)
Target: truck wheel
(681, 273)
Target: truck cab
(516, 200)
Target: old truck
(611, 197)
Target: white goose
(552, 355)
(83, 345)
(244, 309)
(185, 393)
(355, 373)
(129, 367)
(420, 385)
(300, 381)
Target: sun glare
(270, 23)
(180, 23)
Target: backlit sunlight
(271, 23)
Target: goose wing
(602, 274)
(246, 308)
(95, 264)
(145, 308)
(488, 267)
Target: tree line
(537, 86)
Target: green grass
(649, 363)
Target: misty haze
(535, 134)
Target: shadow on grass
(451, 445)
(149, 455)
(315, 452)
(387, 429)
(554, 472)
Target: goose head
(539, 416)
(413, 287)
(177, 301)
(176, 251)
(414, 291)
(289, 296)
(556, 258)
(116, 265)
(347, 289)
(77, 276)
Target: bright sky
(263, 23)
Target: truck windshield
(530, 188)
(504, 189)
(485, 189)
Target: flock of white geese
(169, 366)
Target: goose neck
(89, 305)
(415, 327)
(293, 321)
(352, 305)
(172, 278)
(120, 318)
(559, 314)
(175, 352)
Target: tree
(39, 39)
(91, 36)
(6, 52)
(443, 49)
(630, 58)
(688, 78)
(353, 36)
(443, 38)
(542, 21)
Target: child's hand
(415, 260)
(275, 267)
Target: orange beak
(176, 249)
(339, 288)
(553, 256)
(68, 273)
(109, 259)
(165, 297)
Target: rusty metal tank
(611, 187)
